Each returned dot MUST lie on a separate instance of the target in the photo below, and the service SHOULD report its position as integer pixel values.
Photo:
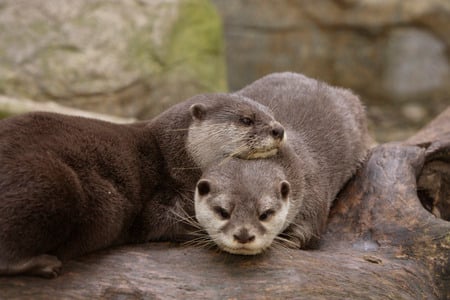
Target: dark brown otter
(71, 185)
(245, 205)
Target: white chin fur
(267, 153)
(263, 154)
(241, 251)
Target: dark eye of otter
(246, 121)
(221, 212)
(265, 215)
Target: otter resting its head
(242, 208)
(242, 128)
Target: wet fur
(71, 185)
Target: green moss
(3, 114)
(193, 47)
(192, 51)
(40, 27)
(142, 54)
(196, 38)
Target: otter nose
(243, 236)
(278, 132)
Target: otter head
(232, 126)
(242, 210)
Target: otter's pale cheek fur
(206, 217)
(209, 142)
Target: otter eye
(246, 121)
(221, 212)
(265, 215)
(203, 187)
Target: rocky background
(393, 53)
(130, 58)
(134, 58)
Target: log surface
(381, 243)
(164, 271)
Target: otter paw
(47, 266)
(291, 241)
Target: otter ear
(285, 189)
(204, 187)
(198, 111)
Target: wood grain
(381, 243)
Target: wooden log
(381, 243)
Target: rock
(128, 58)
(413, 112)
(12, 106)
(392, 52)
(416, 63)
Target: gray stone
(390, 52)
(129, 58)
(416, 63)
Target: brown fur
(71, 185)
(327, 139)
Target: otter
(72, 185)
(245, 206)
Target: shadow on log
(388, 237)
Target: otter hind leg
(47, 266)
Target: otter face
(238, 221)
(233, 127)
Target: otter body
(245, 205)
(71, 185)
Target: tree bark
(388, 237)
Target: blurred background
(135, 58)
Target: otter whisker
(184, 197)
(200, 232)
(183, 217)
(237, 151)
(189, 222)
(225, 160)
(203, 241)
(202, 238)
